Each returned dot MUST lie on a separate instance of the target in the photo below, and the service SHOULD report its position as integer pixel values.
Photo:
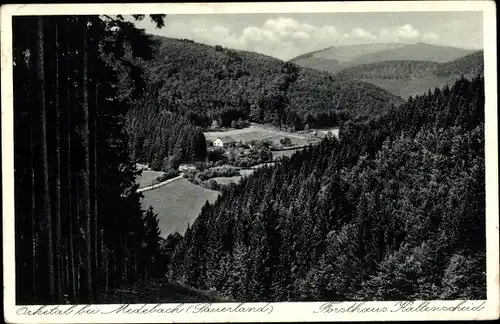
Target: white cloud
(284, 25)
(430, 37)
(285, 38)
(300, 35)
(407, 33)
(399, 33)
(280, 37)
(257, 35)
(360, 33)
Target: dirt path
(161, 184)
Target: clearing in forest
(177, 204)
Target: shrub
(216, 155)
(211, 185)
(200, 177)
(286, 141)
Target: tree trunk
(93, 188)
(85, 199)
(32, 215)
(77, 241)
(70, 189)
(107, 271)
(42, 176)
(58, 231)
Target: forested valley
(395, 210)
(191, 86)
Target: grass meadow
(177, 204)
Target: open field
(160, 184)
(235, 179)
(335, 131)
(226, 180)
(287, 153)
(147, 178)
(245, 172)
(177, 204)
(259, 133)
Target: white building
(186, 167)
(224, 141)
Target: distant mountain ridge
(417, 52)
(402, 69)
(337, 58)
(468, 65)
(409, 78)
(348, 53)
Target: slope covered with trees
(416, 52)
(408, 78)
(78, 219)
(391, 70)
(163, 138)
(337, 58)
(217, 84)
(395, 210)
(470, 65)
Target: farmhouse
(224, 141)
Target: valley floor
(159, 184)
(177, 204)
(262, 132)
(148, 178)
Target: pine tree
(77, 173)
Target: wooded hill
(161, 138)
(394, 211)
(337, 58)
(214, 83)
(403, 70)
(468, 66)
(410, 78)
(191, 85)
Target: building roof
(226, 139)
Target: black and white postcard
(250, 162)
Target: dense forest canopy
(213, 83)
(394, 211)
(161, 138)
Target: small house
(187, 167)
(224, 141)
(215, 124)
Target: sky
(288, 35)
